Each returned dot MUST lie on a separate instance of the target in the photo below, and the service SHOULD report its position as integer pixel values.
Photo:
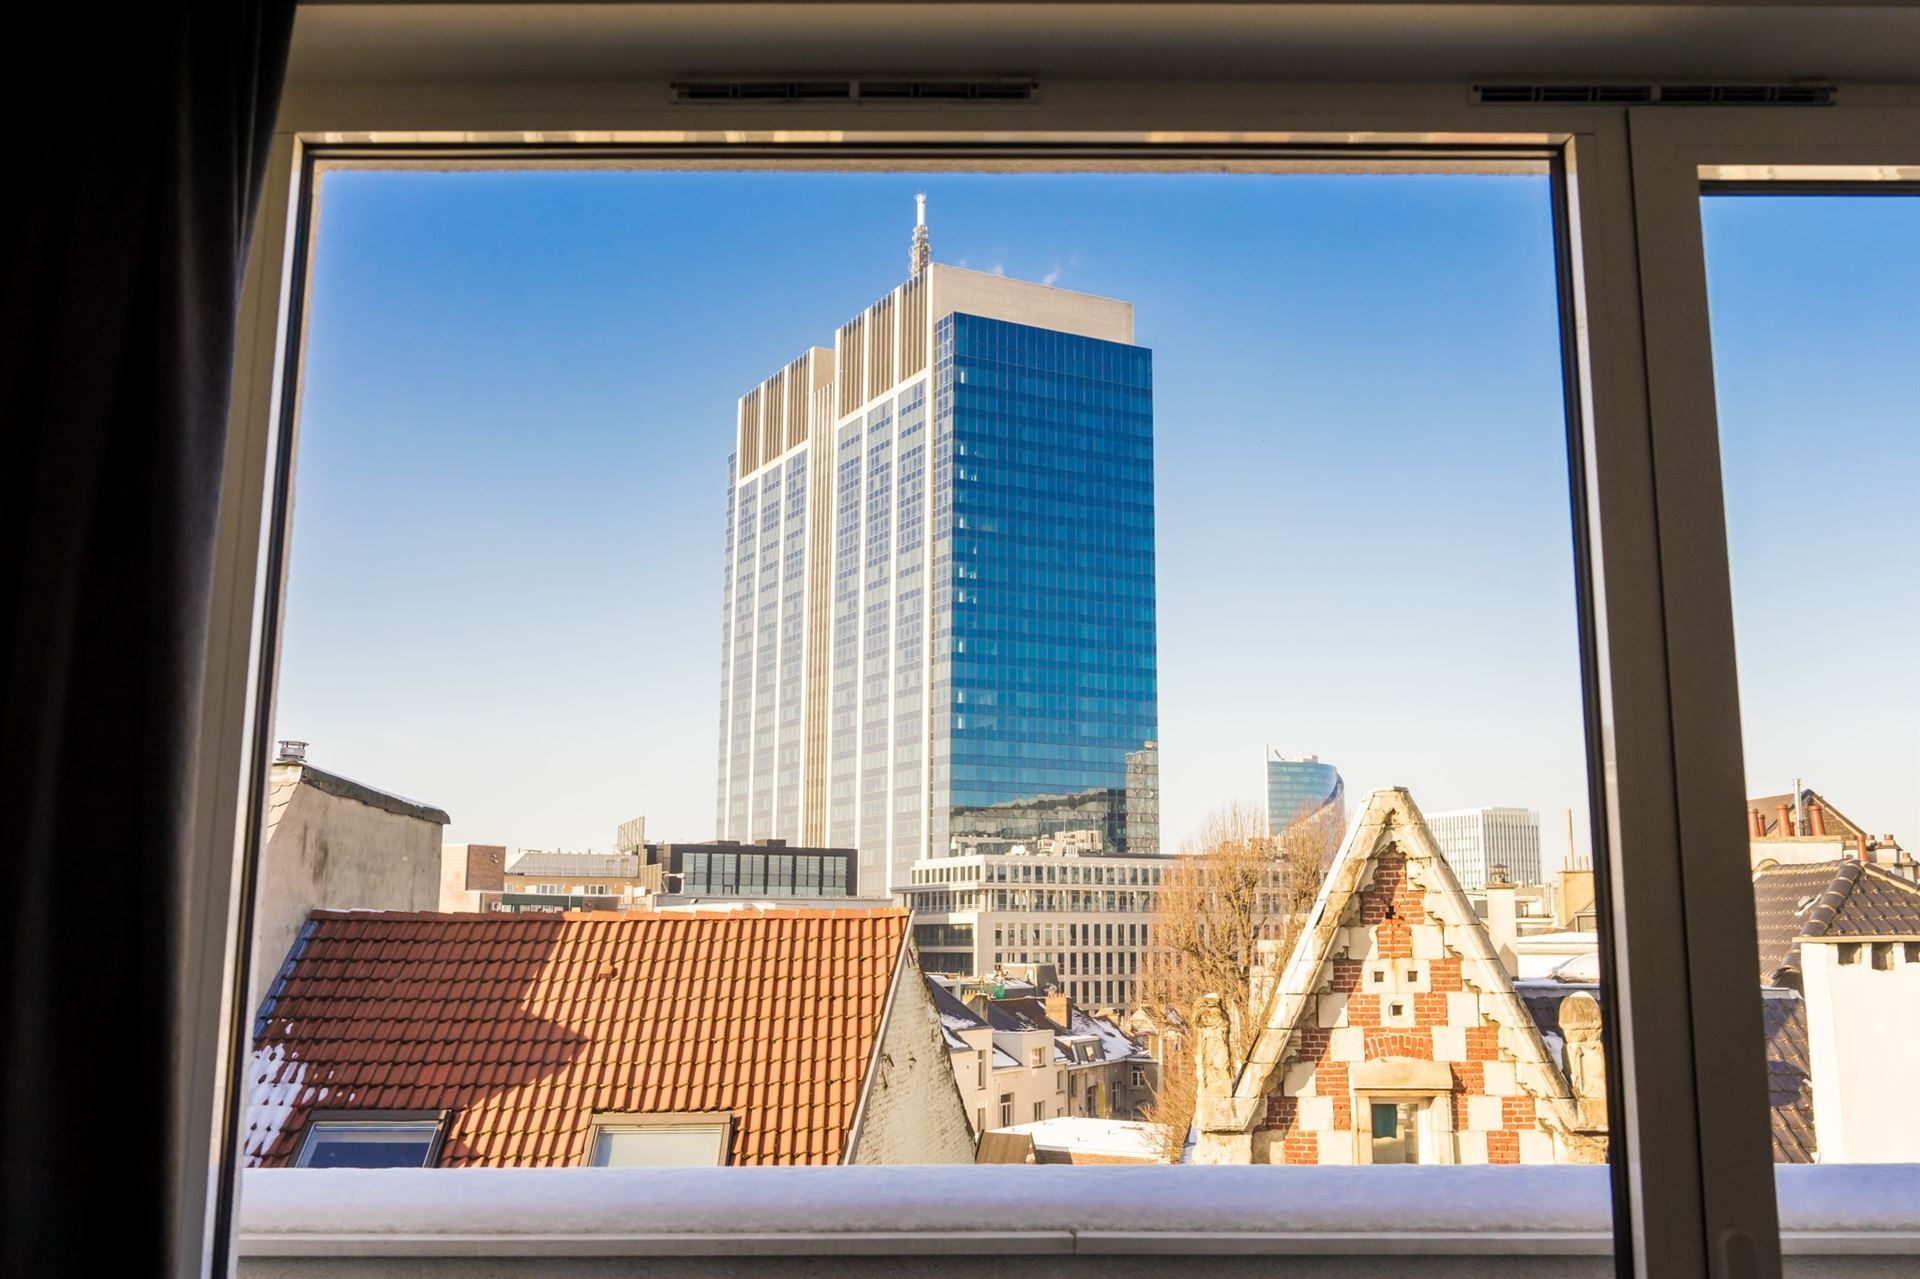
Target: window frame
(612, 1121)
(1678, 157)
(1674, 1199)
(319, 1119)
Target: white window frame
(607, 1122)
(1657, 625)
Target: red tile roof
(525, 1025)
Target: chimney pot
(292, 752)
(1756, 824)
(1782, 815)
(1860, 846)
(1817, 819)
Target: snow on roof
(1082, 1134)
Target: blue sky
(518, 402)
(1816, 332)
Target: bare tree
(1225, 921)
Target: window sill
(1825, 1211)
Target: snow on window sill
(1835, 1209)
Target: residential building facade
(1840, 955)
(1302, 787)
(1477, 840)
(333, 842)
(1024, 1053)
(939, 600)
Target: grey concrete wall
(326, 849)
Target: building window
(1038, 1058)
(979, 1120)
(660, 1141)
(1039, 1111)
(980, 1070)
(1396, 1131)
(1060, 1081)
(372, 1141)
(1006, 1110)
(1139, 1077)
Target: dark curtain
(139, 138)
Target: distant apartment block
(1476, 840)
(472, 876)
(1300, 788)
(1085, 914)
(938, 619)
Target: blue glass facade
(1045, 668)
(939, 622)
(1298, 788)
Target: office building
(1298, 788)
(1475, 840)
(1085, 914)
(939, 612)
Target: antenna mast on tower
(922, 250)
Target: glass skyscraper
(1298, 788)
(939, 615)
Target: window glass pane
(665, 1146)
(341, 1145)
(1274, 463)
(1815, 305)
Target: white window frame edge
(1673, 154)
(1660, 1168)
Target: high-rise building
(1298, 788)
(939, 621)
(1475, 840)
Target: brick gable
(1394, 996)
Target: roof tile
(523, 1026)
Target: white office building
(1086, 915)
(1475, 840)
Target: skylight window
(661, 1141)
(411, 1142)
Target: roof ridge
(1832, 899)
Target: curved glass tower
(1298, 788)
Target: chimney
(1060, 1010)
(1816, 818)
(1502, 928)
(1784, 816)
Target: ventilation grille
(1719, 95)
(995, 90)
